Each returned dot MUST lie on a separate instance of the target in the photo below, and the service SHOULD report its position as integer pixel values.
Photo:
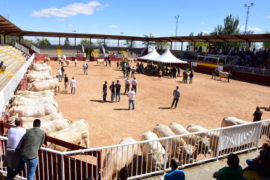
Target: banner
(238, 136)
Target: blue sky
(137, 17)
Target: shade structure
(168, 57)
(150, 56)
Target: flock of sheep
(185, 148)
(39, 102)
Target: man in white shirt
(12, 160)
(75, 62)
(59, 74)
(73, 84)
(131, 98)
(127, 84)
(134, 84)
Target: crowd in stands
(236, 56)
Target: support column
(118, 45)
(90, 43)
(59, 42)
(249, 44)
(5, 39)
(194, 45)
(182, 45)
(171, 45)
(104, 42)
(20, 39)
(75, 41)
(131, 44)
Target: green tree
(266, 44)
(230, 26)
(43, 42)
(129, 43)
(100, 42)
(147, 43)
(86, 42)
(66, 42)
(162, 45)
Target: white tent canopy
(151, 56)
(168, 57)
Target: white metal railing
(22, 48)
(35, 48)
(142, 161)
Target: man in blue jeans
(176, 96)
(31, 143)
(175, 173)
(131, 99)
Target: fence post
(219, 136)
(63, 166)
(259, 135)
(166, 157)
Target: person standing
(59, 74)
(191, 75)
(160, 73)
(62, 70)
(176, 96)
(112, 88)
(73, 84)
(118, 91)
(133, 72)
(66, 82)
(75, 62)
(134, 84)
(31, 143)
(127, 85)
(257, 115)
(104, 89)
(175, 174)
(13, 161)
(131, 98)
(84, 68)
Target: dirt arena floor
(205, 102)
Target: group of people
(22, 148)
(115, 89)
(188, 75)
(60, 76)
(128, 70)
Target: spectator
(131, 98)
(118, 91)
(73, 84)
(134, 84)
(13, 161)
(176, 96)
(112, 88)
(233, 172)
(66, 82)
(123, 174)
(127, 85)
(31, 142)
(175, 174)
(104, 90)
(62, 70)
(75, 62)
(257, 115)
(191, 75)
(132, 72)
(160, 74)
(59, 74)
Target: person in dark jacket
(257, 115)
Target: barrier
(22, 48)
(207, 145)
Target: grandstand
(81, 163)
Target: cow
(50, 126)
(213, 137)
(44, 85)
(153, 152)
(33, 93)
(41, 67)
(202, 144)
(18, 100)
(76, 133)
(117, 158)
(38, 75)
(231, 121)
(37, 110)
(221, 74)
(177, 147)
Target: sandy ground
(205, 102)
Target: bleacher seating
(13, 60)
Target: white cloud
(254, 29)
(268, 16)
(205, 32)
(69, 10)
(69, 25)
(113, 26)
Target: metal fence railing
(149, 157)
(22, 48)
(251, 70)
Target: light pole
(248, 7)
(176, 27)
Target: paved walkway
(205, 171)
